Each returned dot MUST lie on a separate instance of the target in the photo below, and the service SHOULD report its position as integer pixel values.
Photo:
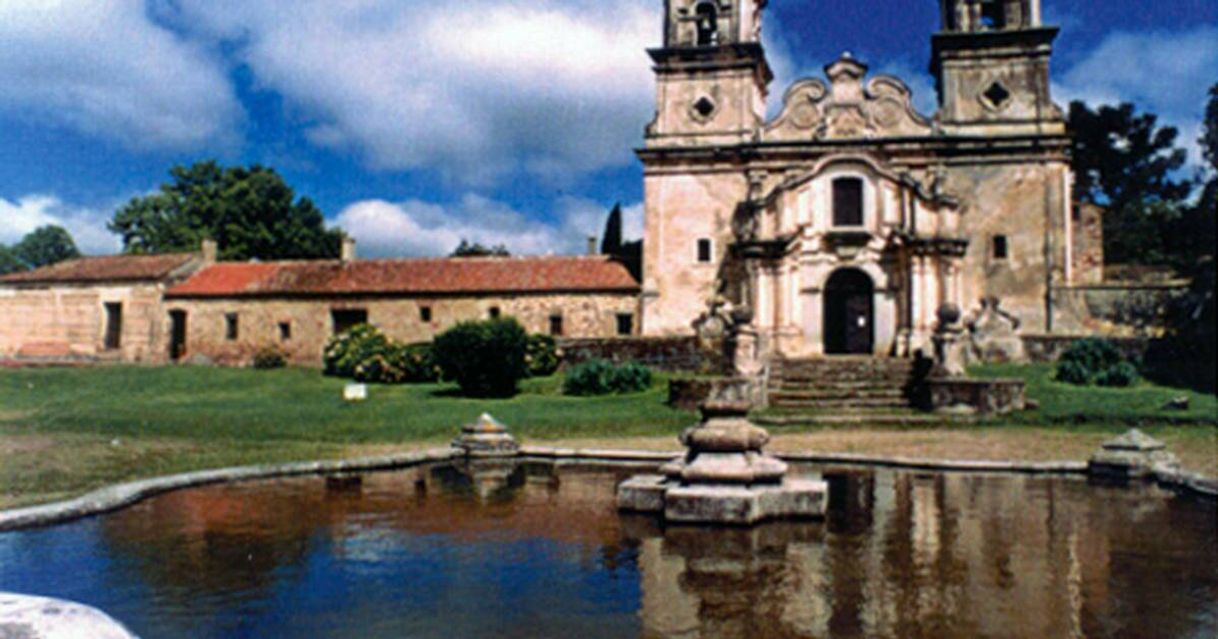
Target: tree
(1125, 162)
(476, 249)
(251, 213)
(611, 242)
(9, 262)
(46, 245)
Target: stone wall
(1047, 348)
(66, 322)
(1087, 245)
(661, 353)
(309, 323)
(982, 396)
(1114, 309)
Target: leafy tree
(611, 241)
(9, 262)
(1209, 139)
(46, 245)
(249, 211)
(485, 358)
(476, 249)
(1124, 161)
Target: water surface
(530, 550)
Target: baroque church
(843, 224)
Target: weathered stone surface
(1133, 455)
(23, 617)
(994, 334)
(984, 396)
(486, 437)
(741, 505)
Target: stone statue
(993, 334)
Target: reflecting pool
(533, 550)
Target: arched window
(847, 202)
(993, 14)
(707, 17)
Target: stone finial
(1134, 455)
(486, 437)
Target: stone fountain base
(725, 478)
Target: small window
(993, 14)
(1000, 247)
(556, 325)
(625, 324)
(848, 202)
(425, 313)
(494, 313)
(231, 326)
(708, 24)
(114, 325)
(345, 319)
(285, 331)
(704, 250)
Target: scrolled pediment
(847, 108)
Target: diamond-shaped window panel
(997, 94)
(704, 107)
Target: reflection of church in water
(843, 223)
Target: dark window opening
(285, 331)
(425, 313)
(997, 94)
(495, 312)
(231, 326)
(704, 250)
(1000, 247)
(708, 24)
(114, 325)
(556, 325)
(345, 319)
(704, 106)
(993, 14)
(625, 324)
(848, 202)
(177, 334)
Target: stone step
(859, 419)
(841, 405)
(836, 393)
(814, 380)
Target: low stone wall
(1047, 348)
(672, 354)
(984, 396)
(1115, 308)
(691, 392)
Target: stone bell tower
(711, 74)
(991, 62)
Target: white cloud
(1164, 73)
(480, 89)
(87, 226)
(103, 68)
(418, 228)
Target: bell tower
(711, 74)
(991, 63)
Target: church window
(993, 14)
(231, 326)
(707, 17)
(1000, 247)
(704, 107)
(704, 250)
(424, 314)
(556, 324)
(997, 95)
(285, 331)
(847, 202)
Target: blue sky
(416, 124)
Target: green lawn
(1138, 405)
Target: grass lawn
(64, 431)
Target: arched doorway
(849, 318)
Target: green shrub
(1086, 359)
(417, 363)
(541, 355)
(268, 358)
(398, 364)
(1123, 374)
(599, 377)
(347, 350)
(486, 359)
(378, 369)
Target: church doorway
(849, 319)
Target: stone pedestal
(725, 478)
(486, 437)
(1133, 455)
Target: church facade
(843, 224)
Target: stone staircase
(841, 390)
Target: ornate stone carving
(848, 108)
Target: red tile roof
(108, 268)
(444, 276)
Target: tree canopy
(476, 249)
(250, 212)
(43, 246)
(1127, 163)
(611, 240)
